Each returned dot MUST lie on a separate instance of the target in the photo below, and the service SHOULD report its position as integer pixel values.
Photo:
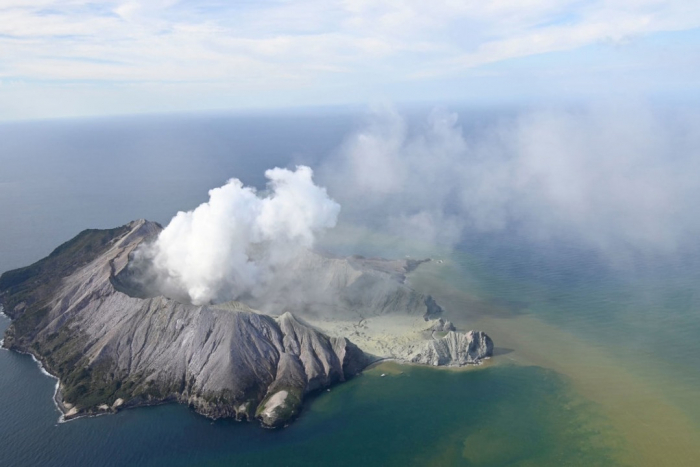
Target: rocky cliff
(454, 349)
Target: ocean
(594, 364)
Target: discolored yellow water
(650, 408)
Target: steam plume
(230, 245)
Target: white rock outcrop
(455, 349)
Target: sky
(66, 58)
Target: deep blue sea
(595, 365)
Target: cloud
(341, 48)
(616, 178)
(230, 246)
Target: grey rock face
(224, 360)
(432, 309)
(456, 349)
(442, 325)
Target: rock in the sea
(433, 310)
(456, 349)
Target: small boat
(383, 375)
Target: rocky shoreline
(110, 351)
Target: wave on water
(61, 419)
(2, 313)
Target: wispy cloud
(283, 45)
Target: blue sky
(61, 58)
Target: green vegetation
(90, 386)
(286, 411)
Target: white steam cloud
(614, 178)
(230, 246)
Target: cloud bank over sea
(616, 178)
